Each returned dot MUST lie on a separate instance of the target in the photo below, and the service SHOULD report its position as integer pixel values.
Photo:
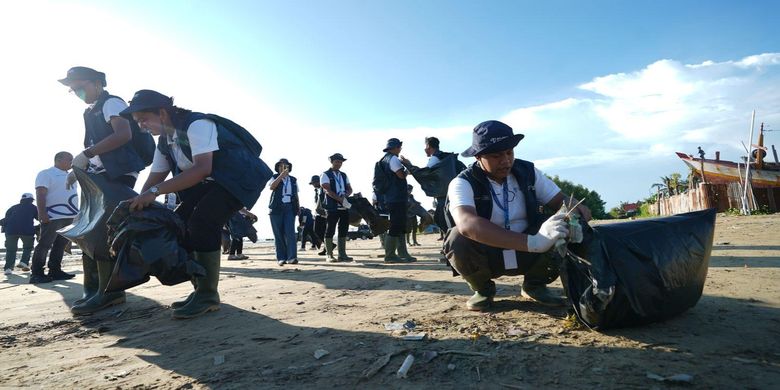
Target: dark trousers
(205, 208)
(11, 246)
(308, 234)
(52, 243)
(340, 219)
(397, 218)
(236, 246)
(469, 258)
(438, 215)
(320, 225)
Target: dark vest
(483, 200)
(117, 162)
(275, 203)
(234, 166)
(330, 203)
(319, 201)
(396, 190)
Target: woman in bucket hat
(216, 171)
(498, 230)
(284, 205)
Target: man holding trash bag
(497, 229)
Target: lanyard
(505, 206)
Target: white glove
(346, 203)
(81, 161)
(552, 229)
(70, 181)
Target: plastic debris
(318, 354)
(677, 378)
(407, 364)
(219, 359)
(451, 367)
(415, 336)
(429, 355)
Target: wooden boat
(762, 174)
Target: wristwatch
(154, 190)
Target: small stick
(456, 352)
(571, 199)
(510, 386)
(479, 377)
(575, 206)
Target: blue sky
(605, 91)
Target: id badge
(510, 259)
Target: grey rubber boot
(391, 245)
(178, 304)
(206, 295)
(342, 246)
(484, 290)
(90, 279)
(329, 250)
(403, 253)
(101, 299)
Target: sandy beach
(322, 325)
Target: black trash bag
(639, 272)
(148, 242)
(363, 210)
(435, 180)
(240, 226)
(99, 198)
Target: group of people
(490, 211)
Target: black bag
(435, 180)
(143, 143)
(380, 184)
(635, 273)
(148, 242)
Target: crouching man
(497, 227)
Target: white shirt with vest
(111, 108)
(339, 187)
(460, 193)
(202, 135)
(287, 189)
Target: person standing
(284, 205)
(114, 150)
(396, 200)
(216, 171)
(306, 224)
(18, 224)
(337, 188)
(57, 206)
(320, 220)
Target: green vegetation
(592, 198)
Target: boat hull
(723, 172)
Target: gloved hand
(346, 203)
(70, 181)
(81, 161)
(552, 229)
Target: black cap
(146, 99)
(83, 73)
(336, 156)
(392, 143)
(491, 136)
(314, 179)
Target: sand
(274, 320)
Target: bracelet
(88, 152)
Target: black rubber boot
(90, 279)
(391, 244)
(101, 299)
(206, 295)
(342, 246)
(403, 253)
